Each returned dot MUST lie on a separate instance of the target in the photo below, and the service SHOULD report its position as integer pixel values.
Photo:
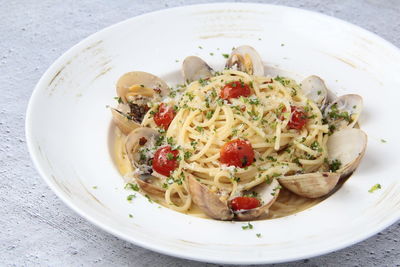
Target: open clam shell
(138, 143)
(194, 68)
(150, 188)
(344, 112)
(267, 193)
(311, 185)
(208, 201)
(136, 84)
(347, 147)
(123, 121)
(211, 204)
(315, 89)
(246, 59)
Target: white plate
(68, 127)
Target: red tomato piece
(164, 116)
(298, 118)
(238, 153)
(235, 90)
(165, 160)
(245, 203)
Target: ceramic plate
(68, 127)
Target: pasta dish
(237, 143)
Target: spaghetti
(204, 122)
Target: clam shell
(315, 89)
(268, 194)
(123, 123)
(139, 83)
(148, 187)
(247, 59)
(352, 104)
(208, 201)
(311, 185)
(348, 146)
(194, 68)
(133, 143)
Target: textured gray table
(36, 227)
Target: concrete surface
(36, 227)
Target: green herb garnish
(249, 226)
(374, 188)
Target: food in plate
(235, 144)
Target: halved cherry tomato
(165, 160)
(164, 116)
(238, 153)
(298, 118)
(245, 203)
(235, 90)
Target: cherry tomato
(235, 90)
(298, 118)
(238, 153)
(165, 160)
(245, 203)
(164, 116)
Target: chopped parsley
(253, 115)
(383, 141)
(193, 144)
(335, 165)
(275, 189)
(297, 161)
(170, 156)
(248, 226)
(244, 161)
(269, 178)
(294, 92)
(187, 155)
(130, 197)
(270, 158)
(203, 82)
(119, 100)
(148, 198)
(316, 147)
(160, 140)
(209, 114)
(225, 55)
(335, 114)
(170, 141)
(282, 80)
(374, 188)
(172, 94)
(236, 179)
(254, 101)
(130, 216)
(200, 129)
(235, 132)
(94, 187)
(252, 194)
(211, 53)
(213, 93)
(132, 186)
(258, 235)
(190, 95)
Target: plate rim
(154, 246)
